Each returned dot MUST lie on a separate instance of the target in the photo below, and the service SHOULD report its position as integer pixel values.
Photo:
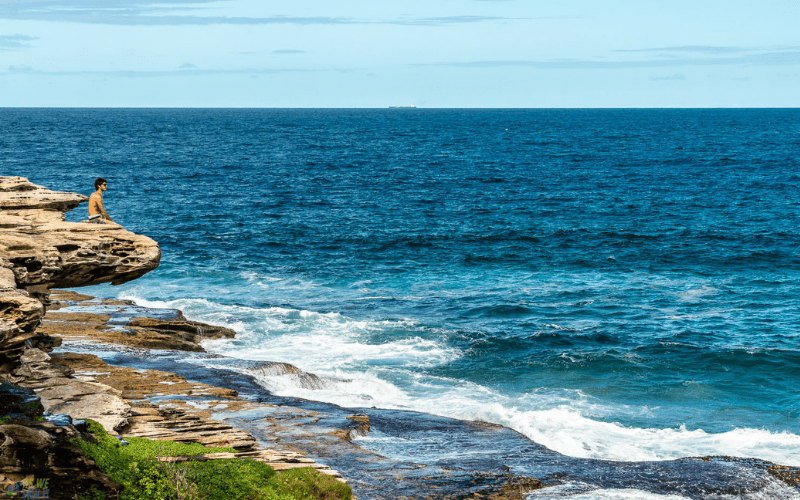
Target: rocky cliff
(39, 250)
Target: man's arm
(99, 208)
(103, 210)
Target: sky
(427, 53)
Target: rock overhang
(40, 250)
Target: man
(97, 212)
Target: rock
(182, 328)
(33, 439)
(18, 400)
(20, 193)
(35, 371)
(39, 250)
(34, 356)
(174, 424)
(82, 400)
(278, 460)
(358, 426)
(34, 451)
(109, 410)
(175, 333)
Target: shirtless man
(97, 212)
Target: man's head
(100, 182)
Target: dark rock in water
(15, 400)
(43, 451)
(179, 333)
(196, 329)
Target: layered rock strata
(39, 250)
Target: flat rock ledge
(121, 402)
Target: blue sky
(433, 53)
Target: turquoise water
(615, 284)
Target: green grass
(145, 478)
(147, 448)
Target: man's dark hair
(99, 181)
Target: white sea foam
(358, 364)
(774, 490)
(573, 491)
(568, 431)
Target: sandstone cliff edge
(39, 250)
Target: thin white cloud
(19, 68)
(187, 72)
(16, 42)
(778, 58)
(707, 49)
(188, 12)
(438, 21)
(675, 77)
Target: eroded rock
(39, 250)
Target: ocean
(617, 284)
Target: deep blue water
(620, 284)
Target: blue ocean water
(617, 284)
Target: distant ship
(398, 107)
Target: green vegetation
(145, 478)
(147, 448)
(5, 420)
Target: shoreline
(291, 424)
(165, 405)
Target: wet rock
(59, 419)
(268, 369)
(177, 333)
(183, 328)
(359, 426)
